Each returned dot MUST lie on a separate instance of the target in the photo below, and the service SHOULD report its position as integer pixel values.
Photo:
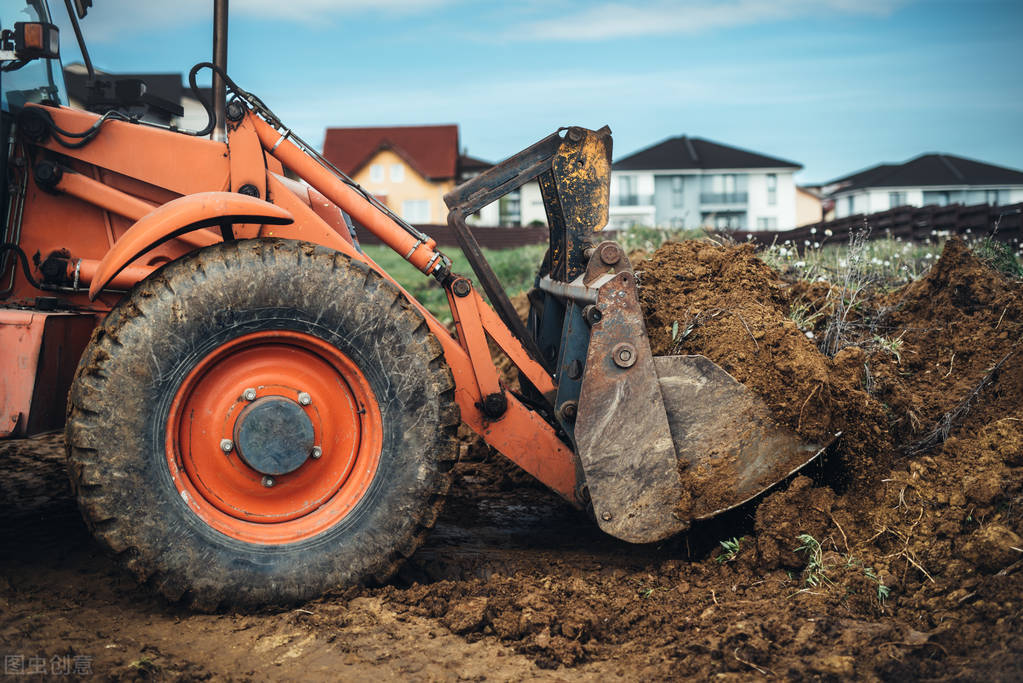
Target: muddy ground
(897, 557)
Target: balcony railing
(632, 200)
(723, 197)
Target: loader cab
(24, 81)
(33, 80)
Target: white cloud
(668, 17)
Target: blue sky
(836, 85)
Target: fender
(176, 217)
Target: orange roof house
(410, 167)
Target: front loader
(262, 413)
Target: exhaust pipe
(220, 60)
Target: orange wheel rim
(319, 387)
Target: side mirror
(81, 7)
(36, 39)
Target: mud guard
(176, 217)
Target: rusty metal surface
(622, 433)
(41, 352)
(729, 447)
(576, 194)
(608, 258)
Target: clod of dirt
(784, 515)
(993, 547)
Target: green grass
(515, 268)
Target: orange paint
(232, 497)
(179, 216)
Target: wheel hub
(274, 435)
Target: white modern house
(686, 182)
(521, 207)
(928, 179)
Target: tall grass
(515, 268)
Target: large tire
(164, 382)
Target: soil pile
(724, 303)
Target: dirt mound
(724, 303)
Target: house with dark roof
(928, 179)
(686, 182)
(409, 168)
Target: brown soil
(514, 584)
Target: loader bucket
(666, 440)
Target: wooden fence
(916, 224)
(489, 238)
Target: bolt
(268, 482)
(588, 253)
(610, 254)
(461, 288)
(249, 190)
(226, 445)
(606, 516)
(624, 355)
(316, 453)
(592, 314)
(304, 399)
(569, 410)
(249, 394)
(575, 369)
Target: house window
(772, 189)
(627, 191)
(896, 199)
(727, 188)
(938, 197)
(991, 197)
(767, 223)
(416, 211)
(850, 206)
(397, 173)
(376, 173)
(677, 198)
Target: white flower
(800, 264)
(828, 232)
(813, 231)
(809, 334)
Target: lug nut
(249, 394)
(316, 453)
(606, 516)
(268, 482)
(304, 399)
(226, 445)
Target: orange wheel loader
(254, 411)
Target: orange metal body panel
(181, 163)
(41, 351)
(180, 216)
